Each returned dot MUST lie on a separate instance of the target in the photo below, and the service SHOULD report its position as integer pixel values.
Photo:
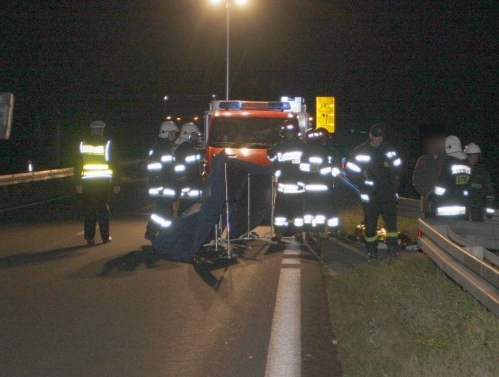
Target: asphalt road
(111, 310)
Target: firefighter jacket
(96, 162)
(375, 170)
(286, 156)
(160, 169)
(317, 166)
(452, 190)
(187, 170)
(480, 185)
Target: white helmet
(472, 148)
(453, 147)
(166, 128)
(187, 129)
(97, 125)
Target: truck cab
(246, 129)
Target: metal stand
(231, 251)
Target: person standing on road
(187, 167)
(286, 157)
(481, 190)
(427, 170)
(374, 167)
(317, 166)
(161, 184)
(452, 192)
(96, 176)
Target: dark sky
(407, 62)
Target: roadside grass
(352, 216)
(408, 319)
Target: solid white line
(284, 354)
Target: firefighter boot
(393, 250)
(372, 252)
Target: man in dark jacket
(96, 174)
(374, 167)
(427, 170)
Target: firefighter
(452, 191)
(427, 170)
(286, 157)
(187, 167)
(96, 177)
(481, 190)
(317, 164)
(161, 187)
(375, 167)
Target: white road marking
(284, 354)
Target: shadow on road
(40, 256)
(131, 261)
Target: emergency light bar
(252, 105)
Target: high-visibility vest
(96, 160)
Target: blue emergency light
(254, 105)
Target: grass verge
(409, 319)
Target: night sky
(406, 62)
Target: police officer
(187, 167)
(481, 190)
(375, 167)
(286, 157)
(161, 187)
(96, 175)
(317, 164)
(452, 191)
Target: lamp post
(228, 6)
(165, 99)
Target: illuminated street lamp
(165, 99)
(228, 6)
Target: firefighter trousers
(288, 214)
(387, 208)
(162, 216)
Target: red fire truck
(246, 129)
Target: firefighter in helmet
(187, 167)
(481, 191)
(96, 174)
(317, 164)
(452, 191)
(374, 167)
(161, 187)
(286, 156)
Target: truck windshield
(245, 132)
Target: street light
(228, 6)
(165, 99)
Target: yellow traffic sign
(324, 109)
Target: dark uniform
(425, 177)
(96, 174)
(481, 193)
(161, 186)
(286, 157)
(375, 169)
(186, 173)
(317, 164)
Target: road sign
(325, 113)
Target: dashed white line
(284, 354)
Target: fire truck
(246, 129)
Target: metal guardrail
(409, 208)
(473, 267)
(14, 179)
